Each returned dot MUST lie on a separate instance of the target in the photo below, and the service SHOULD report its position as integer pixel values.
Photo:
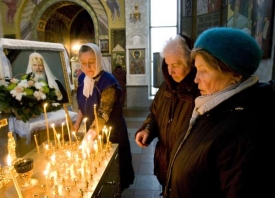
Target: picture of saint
(137, 62)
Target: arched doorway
(49, 20)
(65, 22)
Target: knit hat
(233, 47)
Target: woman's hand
(76, 126)
(89, 138)
(90, 135)
(141, 138)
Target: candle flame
(9, 160)
(48, 166)
(46, 172)
(53, 158)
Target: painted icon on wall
(137, 61)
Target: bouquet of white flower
(25, 97)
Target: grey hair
(177, 46)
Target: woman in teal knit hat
(227, 150)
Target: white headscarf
(50, 77)
(88, 81)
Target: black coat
(229, 151)
(169, 116)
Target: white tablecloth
(25, 130)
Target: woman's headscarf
(88, 81)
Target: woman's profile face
(88, 63)
(210, 80)
(176, 69)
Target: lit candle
(82, 146)
(54, 134)
(85, 127)
(46, 172)
(69, 155)
(85, 167)
(96, 121)
(75, 138)
(109, 133)
(53, 159)
(100, 143)
(68, 128)
(62, 133)
(13, 177)
(58, 139)
(96, 149)
(46, 119)
(46, 177)
(37, 147)
(47, 150)
(105, 132)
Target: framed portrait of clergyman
(22, 55)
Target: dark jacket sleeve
(151, 123)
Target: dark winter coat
(229, 151)
(169, 116)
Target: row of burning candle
(67, 124)
(75, 164)
(57, 140)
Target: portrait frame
(76, 71)
(17, 53)
(118, 58)
(137, 61)
(104, 45)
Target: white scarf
(204, 104)
(88, 81)
(88, 86)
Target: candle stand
(70, 171)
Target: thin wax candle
(36, 143)
(62, 133)
(68, 128)
(96, 121)
(54, 135)
(85, 127)
(47, 124)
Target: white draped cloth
(25, 130)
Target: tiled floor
(145, 184)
